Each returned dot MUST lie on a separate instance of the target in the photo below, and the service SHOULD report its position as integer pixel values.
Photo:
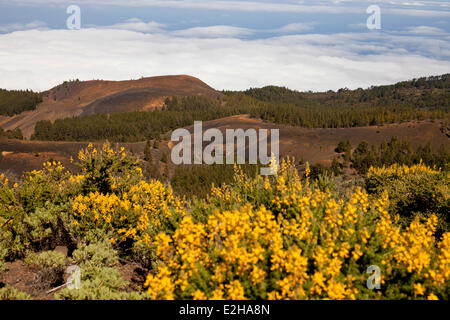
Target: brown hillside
(317, 145)
(97, 96)
(313, 145)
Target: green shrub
(36, 189)
(107, 170)
(49, 226)
(100, 278)
(414, 191)
(95, 255)
(46, 259)
(50, 265)
(10, 293)
(343, 146)
(100, 283)
(11, 216)
(3, 255)
(95, 235)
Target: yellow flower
(431, 296)
(199, 295)
(419, 289)
(235, 291)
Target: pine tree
(336, 167)
(147, 152)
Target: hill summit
(78, 98)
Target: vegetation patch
(287, 236)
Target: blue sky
(305, 45)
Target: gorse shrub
(280, 237)
(36, 214)
(133, 209)
(38, 187)
(414, 191)
(11, 221)
(286, 239)
(33, 214)
(34, 211)
(135, 215)
(107, 170)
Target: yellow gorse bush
(298, 243)
(133, 209)
(413, 191)
(278, 237)
(7, 202)
(401, 170)
(132, 215)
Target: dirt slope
(313, 145)
(97, 96)
(317, 145)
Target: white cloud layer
(19, 27)
(295, 28)
(214, 32)
(217, 31)
(426, 30)
(40, 59)
(135, 24)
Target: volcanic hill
(77, 98)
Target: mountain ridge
(75, 98)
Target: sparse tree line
(17, 101)
(11, 134)
(388, 153)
